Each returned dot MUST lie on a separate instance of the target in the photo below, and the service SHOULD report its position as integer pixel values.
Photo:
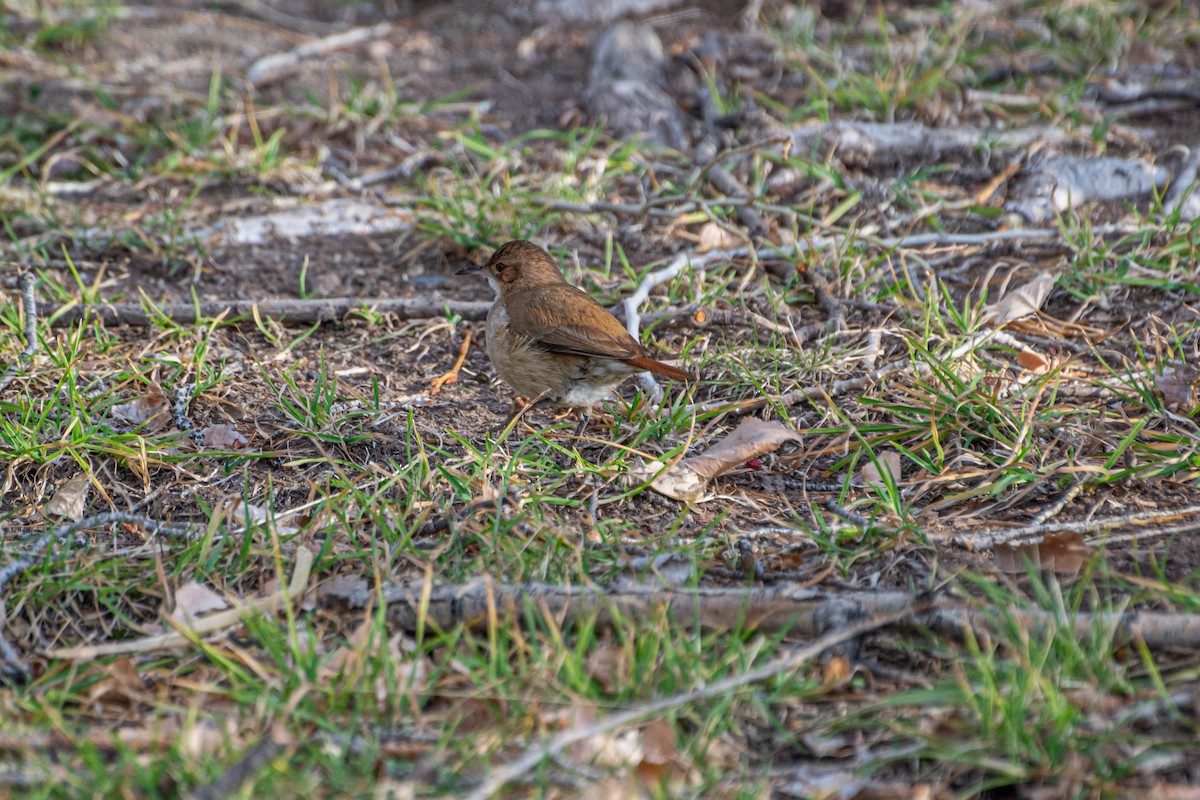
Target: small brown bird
(552, 341)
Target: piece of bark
(1183, 195)
(625, 87)
(873, 145)
(1064, 182)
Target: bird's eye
(500, 267)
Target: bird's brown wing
(566, 320)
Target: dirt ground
(164, 145)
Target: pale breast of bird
(523, 364)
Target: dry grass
(236, 445)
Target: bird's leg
(511, 422)
(585, 415)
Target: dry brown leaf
(224, 437)
(1059, 552)
(837, 669)
(686, 479)
(607, 748)
(658, 751)
(889, 464)
(193, 600)
(284, 522)
(752, 437)
(70, 500)
(122, 687)
(714, 237)
(1178, 386)
(1021, 302)
(1034, 362)
(608, 665)
(151, 411)
(203, 738)
(612, 788)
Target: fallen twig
(756, 226)
(181, 398)
(1054, 509)
(29, 293)
(269, 69)
(826, 298)
(988, 540)
(790, 607)
(633, 319)
(329, 309)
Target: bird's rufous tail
(659, 368)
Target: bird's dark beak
(469, 269)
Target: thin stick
(329, 309)
(1054, 509)
(29, 293)
(269, 69)
(986, 540)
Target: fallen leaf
(151, 411)
(686, 479)
(889, 461)
(608, 665)
(70, 500)
(612, 788)
(1178, 386)
(1034, 362)
(223, 437)
(1059, 552)
(836, 670)
(122, 687)
(202, 738)
(193, 600)
(284, 522)
(677, 482)
(1022, 301)
(752, 437)
(658, 751)
(714, 237)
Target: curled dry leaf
(608, 665)
(151, 411)
(122, 685)
(889, 464)
(1059, 552)
(202, 738)
(686, 479)
(1178, 386)
(284, 522)
(1021, 302)
(659, 752)
(193, 600)
(70, 500)
(223, 437)
(1034, 362)
(837, 670)
(714, 237)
